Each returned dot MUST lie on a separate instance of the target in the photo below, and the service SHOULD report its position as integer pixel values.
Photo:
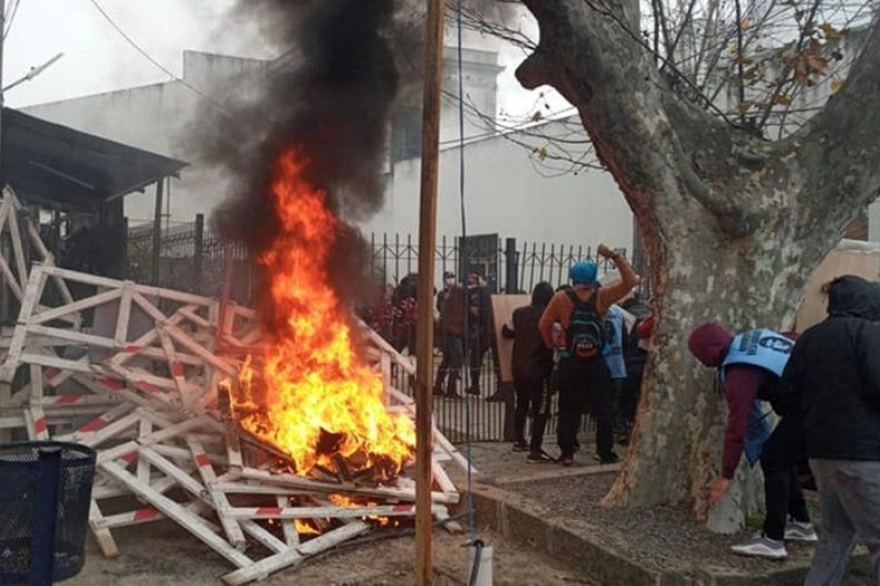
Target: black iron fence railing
(191, 258)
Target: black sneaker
(473, 391)
(496, 398)
(538, 458)
(611, 458)
(520, 447)
(453, 395)
(566, 460)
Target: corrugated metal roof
(58, 166)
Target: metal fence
(191, 258)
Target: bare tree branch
(843, 137)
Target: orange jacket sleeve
(614, 293)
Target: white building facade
(508, 191)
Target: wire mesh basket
(45, 493)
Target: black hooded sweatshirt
(532, 360)
(835, 369)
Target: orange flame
(313, 384)
(345, 502)
(303, 527)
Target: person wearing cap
(448, 283)
(579, 380)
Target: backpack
(585, 336)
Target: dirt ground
(657, 537)
(164, 555)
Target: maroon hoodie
(708, 343)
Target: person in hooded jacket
(835, 369)
(532, 364)
(750, 368)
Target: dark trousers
(532, 398)
(629, 396)
(450, 365)
(478, 347)
(580, 384)
(849, 495)
(784, 497)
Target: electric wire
(12, 14)
(469, 501)
(151, 59)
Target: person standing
(448, 283)
(615, 341)
(636, 356)
(581, 310)
(750, 368)
(451, 328)
(532, 363)
(835, 369)
(482, 335)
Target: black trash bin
(45, 493)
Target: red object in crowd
(645, 328)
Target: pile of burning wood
(267, 450)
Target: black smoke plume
(330, 97)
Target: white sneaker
(762, 546)
(797, 531)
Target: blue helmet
(583, 273)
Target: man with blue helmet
(581, 310)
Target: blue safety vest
(767, 350)
(613, 350)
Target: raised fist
(605, 251)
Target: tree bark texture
(733, 224)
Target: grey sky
(97, 59)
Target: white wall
(507, 190)
(507, 194)
(156, 118)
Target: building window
(406, 134)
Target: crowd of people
(824, 388)
(584, 342)
(589, 345)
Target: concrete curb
(575, 543)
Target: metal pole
(425, 329)
(198, 253)
(511, 267)
(157, 233)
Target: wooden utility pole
(425, 324)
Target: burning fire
(310, 394)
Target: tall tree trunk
(733, 224)
(703, 275)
